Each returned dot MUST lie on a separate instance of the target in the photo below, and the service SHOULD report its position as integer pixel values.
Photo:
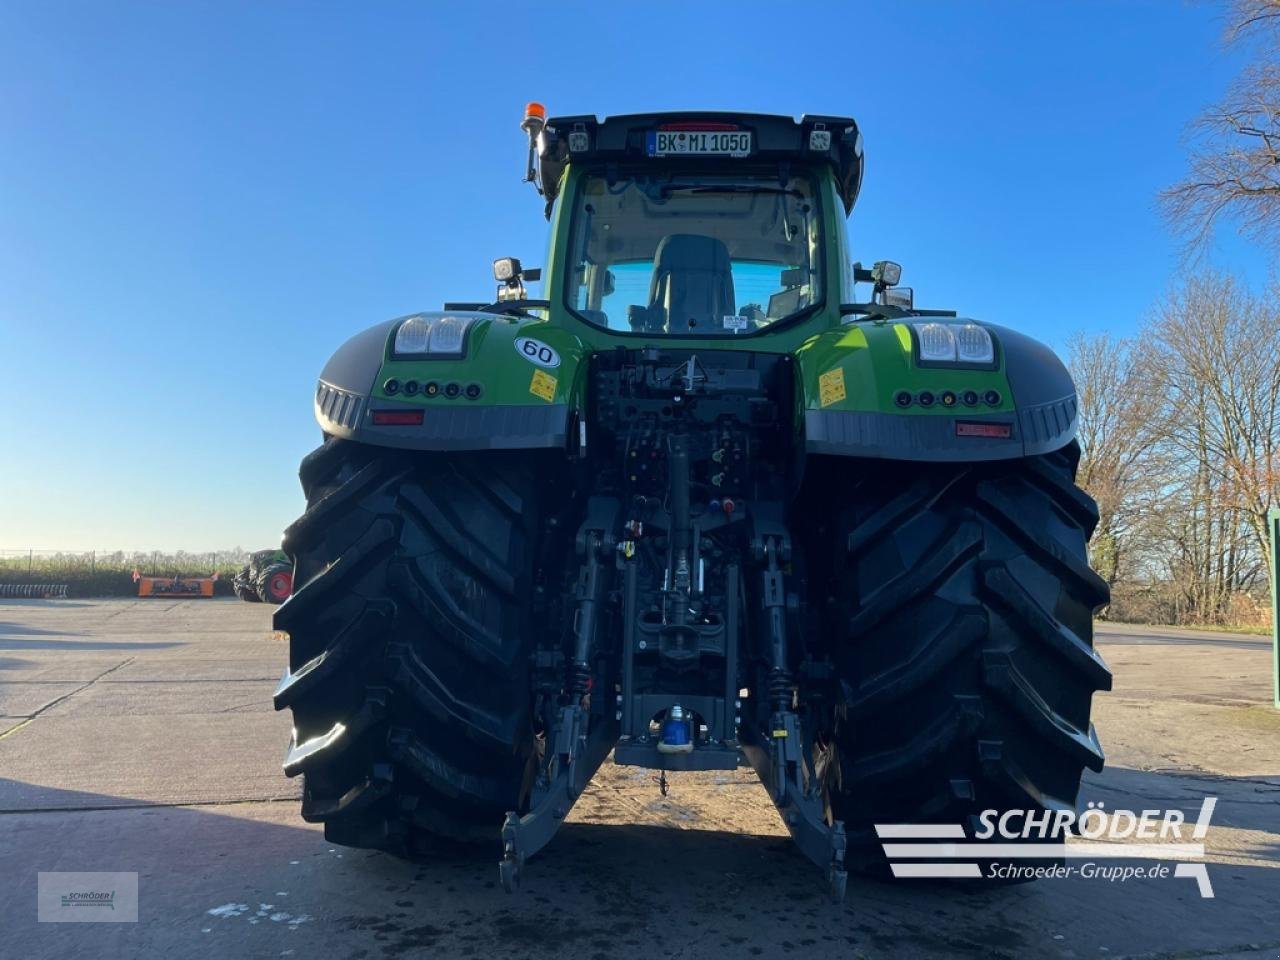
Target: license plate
(699, 143)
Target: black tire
(243, 587)
(963, 607)
(410, 627)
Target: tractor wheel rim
(281, 584)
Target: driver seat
(692, 285)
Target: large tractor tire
(275, 583)
(243, 587)
(963, 643)
(410, 635)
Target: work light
(958, 343)
(937, 343)
(973, 344)
(442, 336)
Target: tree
(1215, 352)
(1235, 159)
(1118, 434)
(1180, 441)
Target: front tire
(410, 634)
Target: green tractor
(701, 505)
(267, 577)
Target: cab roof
(587, 138)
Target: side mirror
(903, 297)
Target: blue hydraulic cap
(676, 735)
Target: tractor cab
(695, 224)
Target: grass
(110, 574)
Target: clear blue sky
(200, 201)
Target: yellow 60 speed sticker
(543, 385)
(831, 387)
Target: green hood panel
(864, 390)
(494, 397)
(505, 357)
(864, 366)
(521, 384)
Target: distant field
(110, 573)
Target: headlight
(954, 343)
(432, 336)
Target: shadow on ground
(14, 637)
(9, 631)
(48, 602)
(75, 645)
(600, 890)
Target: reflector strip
(389, 418)
(996, 431)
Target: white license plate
(699, 143)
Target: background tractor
(267, 577)
(699, 504)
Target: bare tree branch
(1250, 16)
(1234, 167)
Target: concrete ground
(139, 736)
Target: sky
(199, 202)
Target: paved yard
(139, 736)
